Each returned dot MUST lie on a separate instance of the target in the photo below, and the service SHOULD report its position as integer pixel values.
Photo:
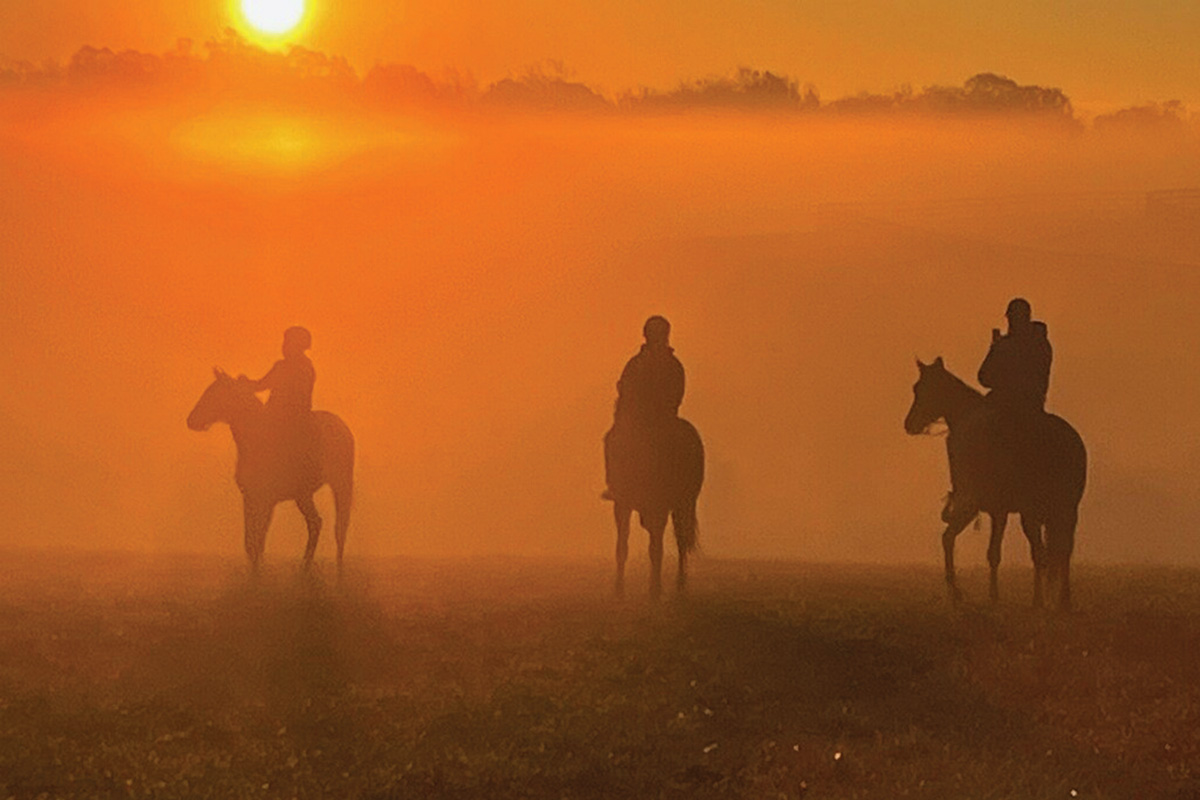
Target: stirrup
(607, 495)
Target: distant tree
(405, 85)
(747, 89)
(1169, 118)
(128, 67)
(988, 93)
(866, 103)
(545, 88)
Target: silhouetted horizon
(231, 67)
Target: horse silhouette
(660, 478)
(1045, 487)
(267, 476)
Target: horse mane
(243, 392)
(960, 385)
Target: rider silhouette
(289, 406)
(1017, 371)
(649, 393)
(650, 389)
(1017, 367)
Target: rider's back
(1017, 369)
(651, 387)
(291, 383)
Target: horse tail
(343, 499)
(339, 473)
(687, 526)
(1071, 460)
(686, 523)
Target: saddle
(645, 460)
(1001, 446)
(293, 441)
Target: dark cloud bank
(231, 67)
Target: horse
(1045, 488)
(660, 478)
(263, 474)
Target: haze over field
(475, 281)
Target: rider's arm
(266, 381)
(987, 370)
(678, 383)
(623, 382)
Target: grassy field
(136, 676)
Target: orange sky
(1103, 53)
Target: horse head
(929, 397)
(222, 401)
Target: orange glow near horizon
(283, 145)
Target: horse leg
(622, 514)
(343, 492)
(999, 521)
(948, 536)
(1060, 543)
(681, 576)
(257, 520)
(1037, 551)
(683, 520)
(656, 526)
(311, 518)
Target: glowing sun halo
(273, 17)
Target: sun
(273, 17)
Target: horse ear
(217, 372)
(921, 365)
(937, 362)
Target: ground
(156, 676)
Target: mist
(474, 285)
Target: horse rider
(649, 394)
(289, 406)
(1017, 371)
(1017, 367)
